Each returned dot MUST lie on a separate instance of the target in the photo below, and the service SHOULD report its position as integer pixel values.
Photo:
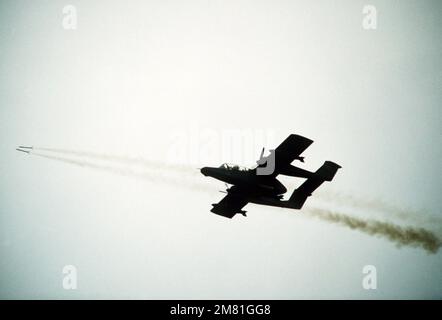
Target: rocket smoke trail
(330, 196)
(121, 159)
(124, 171)
(402, 236)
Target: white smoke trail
(122, 159)
(154, 176)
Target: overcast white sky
(156, 78)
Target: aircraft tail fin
(328, 170)
(325, 173)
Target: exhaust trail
(380, 206)
(402, 236)
(122, 159)
(127, 171)
(330, 196)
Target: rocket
(25, 149)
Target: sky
(196, 83)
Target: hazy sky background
(137, 78)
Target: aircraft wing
(230, 205)
(290, 149)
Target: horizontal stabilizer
(325, 173)
(328, 170)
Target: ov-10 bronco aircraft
(259, 185)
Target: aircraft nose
(205, 171)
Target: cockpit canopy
(234, 167)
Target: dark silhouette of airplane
(251, 186)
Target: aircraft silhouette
(261, 187)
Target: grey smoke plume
(380, 206)
(402, 236)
